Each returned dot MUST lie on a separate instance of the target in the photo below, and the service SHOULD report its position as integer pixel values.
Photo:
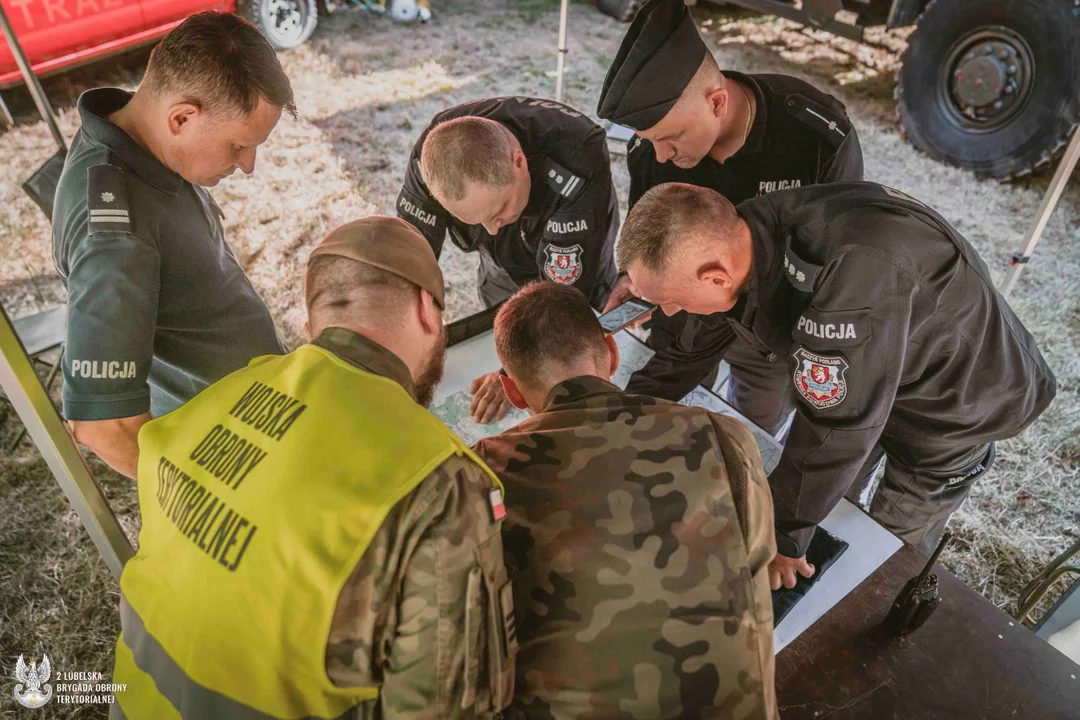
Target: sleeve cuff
(105, 408)
(790, 546)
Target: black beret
(656, 61)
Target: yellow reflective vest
(258, 499)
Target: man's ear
(429, 313)
(613, 355)
(517, 157)
(714, 273)
(181, 117)
(513, 394)
(719, 101)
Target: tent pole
(56, 445)
(32, 83)
(1049, 201)
(562, 51)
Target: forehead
(251, 129)
(479, 198)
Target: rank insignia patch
(563, 264)
(820, 378)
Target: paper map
(453, 409)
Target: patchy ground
(366, 87)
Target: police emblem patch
(563, 264)
(820, 378)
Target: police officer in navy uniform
(554, 218)
(740, 135)
(889, 330)
(158, 305)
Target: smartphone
(630, 311)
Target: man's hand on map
(624, 290)
(489, 403)
(782, 571)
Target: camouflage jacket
(638, 535)
(428, 582)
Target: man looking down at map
(895, 341)
(638, 533)
(326, 540)
(525, 183)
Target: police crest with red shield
(563, 264)
(820, 378)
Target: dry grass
(366, 87)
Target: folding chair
(39, 333)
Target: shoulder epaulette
(832, 126)
(106, 199)
(802, 274)
(562, 181)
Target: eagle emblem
(33, 678)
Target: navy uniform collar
(95, 106)
(768, 251)
(755, 140)
(582, 391)
(366, 354)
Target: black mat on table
(825, 548)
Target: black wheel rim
(986, 79)
(284, 20)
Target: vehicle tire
(621, 10)
(285, 23)
(991, 85)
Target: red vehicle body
(60, 34)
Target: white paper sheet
(869, 546)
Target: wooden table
(970, 660)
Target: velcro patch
(820, 379)
(840, 329)
(106, 200)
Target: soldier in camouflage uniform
(638, 534)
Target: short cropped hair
(221, 64)
(545, 325)
(339, 288)
(664, 217)
(464, 150)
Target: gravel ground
(366, 87)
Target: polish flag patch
(498, 510)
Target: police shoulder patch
(563, 264)
(567, 224)
(565, 184)
(832, 126)
(820, 379)
(427, 216)
(106, 199)
(832, 329)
